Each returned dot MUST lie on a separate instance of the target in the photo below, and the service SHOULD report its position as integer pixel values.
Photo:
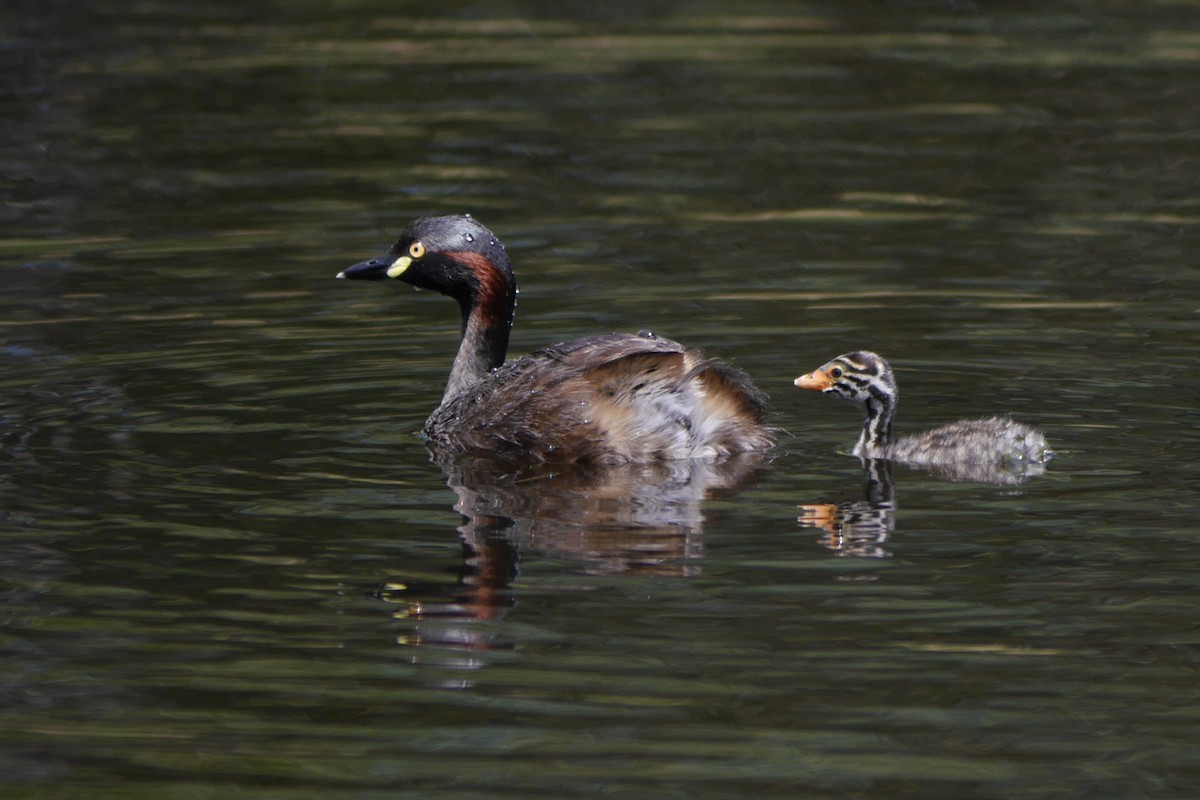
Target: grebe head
(858, 377)
(453, 255)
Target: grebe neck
(488, 306)
(879, 409)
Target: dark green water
(229, 568)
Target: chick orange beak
(819, 515)
(816, 379)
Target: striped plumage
(866, 379)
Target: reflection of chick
(981, 449)
(859, 528)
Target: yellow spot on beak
(398, 266)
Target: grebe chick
(610, 399)
(866, 379)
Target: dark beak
(373, 270)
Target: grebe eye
(416, 250)
(836, 372)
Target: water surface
(230, 565)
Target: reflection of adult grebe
(608, 399)
(631, 519)
(994, 450)
(639, 518)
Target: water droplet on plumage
(469, 237)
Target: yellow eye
(416, 250)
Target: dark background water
(230, 567)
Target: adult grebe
(609, 399)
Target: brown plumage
(614, 398)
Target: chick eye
(836, 372)
(416, 250)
